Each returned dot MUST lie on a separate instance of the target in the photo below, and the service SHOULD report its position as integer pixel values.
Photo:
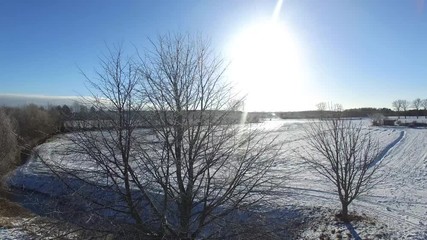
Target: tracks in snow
(386, 151)
(400, 198)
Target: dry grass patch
(10, 209)
(11, 213)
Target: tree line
(405, 108)
(349, 113)
(417, 107)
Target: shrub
(8, 144)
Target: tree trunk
(184, 203)
(185, 218)
(344, 210)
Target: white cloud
(17, 100)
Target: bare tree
(117, 103)
(206, 165)
(344, 153)
(101, 163)
(424, 105)
(192, 165)
(397, 105)
(321, 106)
(416, 104)
(405, 106)
(338, 107)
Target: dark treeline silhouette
(352, 112)
(73, 120)
(104, 119)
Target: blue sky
(357, 53)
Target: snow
(16, 228)
(399, 200)
(13, 233)
(396, 208)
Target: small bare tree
(416, 104)
(424, 105)
(344, 153)
(321, 106)
(338, 107)
(397, 105)
(405, 106)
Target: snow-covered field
(399, 200)
(396, 207)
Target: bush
(8, 144)
(33, 123)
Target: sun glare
(266, 65)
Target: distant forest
(353, 112)
(84, 113)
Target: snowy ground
(13, 232)
(396, 208)
(398, 202)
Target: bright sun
(266, 65)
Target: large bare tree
(205, 164)
(192, 164)
(101, 163)
(343, 152)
